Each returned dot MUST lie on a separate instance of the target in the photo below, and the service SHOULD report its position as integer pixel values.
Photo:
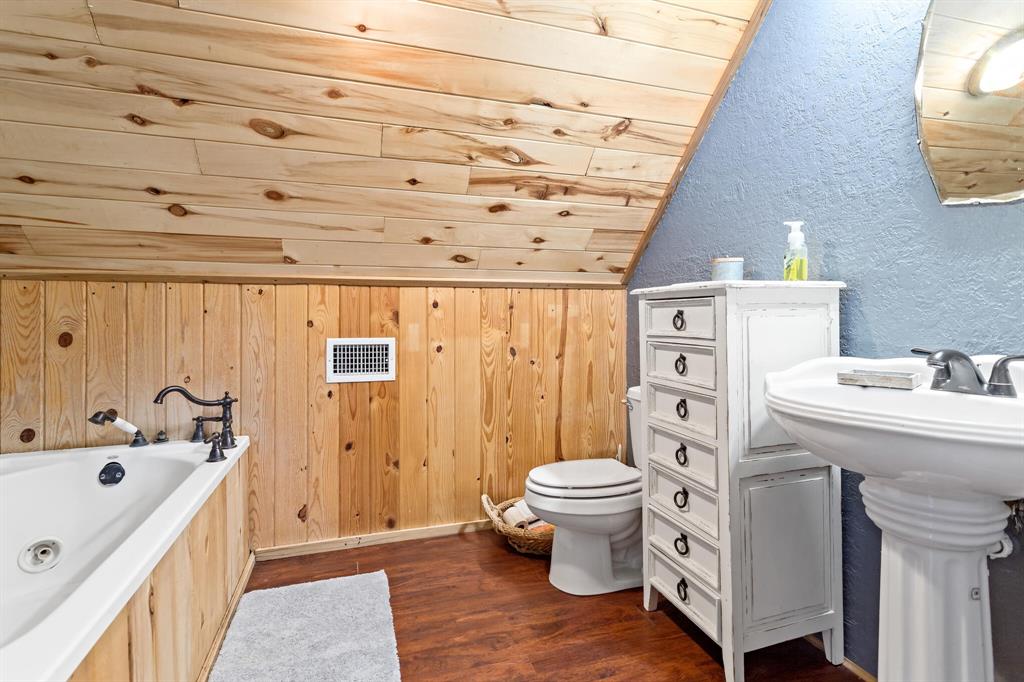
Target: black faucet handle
(216, 453)
(921, 351)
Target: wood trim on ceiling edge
(753, 26)
(550, 280)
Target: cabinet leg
(651, 597)
(732, 661)
(833, 642)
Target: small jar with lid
(726, 269)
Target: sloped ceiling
(471, 141)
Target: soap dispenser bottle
(794, 267)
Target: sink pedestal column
(934, 616)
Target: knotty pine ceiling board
(477, 142)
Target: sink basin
(918, 438)
(937, 467)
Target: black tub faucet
(227, 435)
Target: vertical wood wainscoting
(490, 383)
(172, 627)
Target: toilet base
(590, 563)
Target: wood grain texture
(22, 319)
(323, 440)
(106, 356)
(64, 345)
(236, 124)
(490, 383)
(291, 460)
(28, 57)
(602, 637)
(679, 28)
(257, 409)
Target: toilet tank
(634, 404)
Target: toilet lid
(584, 493)
(584, 473)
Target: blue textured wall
(819, 125)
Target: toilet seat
(584, 493)
(584, 473)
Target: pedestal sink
(937, 467)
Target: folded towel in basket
(519, 515)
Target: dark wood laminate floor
(469, 608)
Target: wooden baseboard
(335, 544)
(236, 596)
(847, 663)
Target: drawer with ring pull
(682, 363)
(684, 546)
(683, 409)
(684, 456)
(683, 500)
(686, 593)
(692, 317)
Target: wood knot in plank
(361, 28)
(274, 195)
(27, 179)
(565, 214)
(439, 348)
(413, 181)
(137, 120)
(602, 24)
(334, 93)
(426, 240)
(289, 260)
(303, 513)
(611, 132)
(499, 208)
(349, 445)
(267, 128)
(558, 132)
(49, 55)
(177, 210)
(459, 258)
(512, 351)
(91, 62)
(434, 304)
(538, 240)
(309, 323)
(27, 435)
(65, 339)
(155, 191)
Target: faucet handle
(216, 453)
(921, 351)
(1000, 382)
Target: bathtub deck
(468, 608)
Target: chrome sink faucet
(955, 371)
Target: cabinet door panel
(776, 339)
(786, 546)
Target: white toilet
(594, 505)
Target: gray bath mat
(337, 630)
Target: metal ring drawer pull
(682, 589)
(681, 457)
(679, 321)
(686, 498)
(682, 409)
(681, 367)
(684, 550)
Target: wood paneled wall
(974, 144)
(491, 382)
(496, 142)
(173, 621)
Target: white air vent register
(351, 360)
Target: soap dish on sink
(907, 381)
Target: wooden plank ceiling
(486, 142)
(974, 144)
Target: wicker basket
(522, 540)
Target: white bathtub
(111, 538)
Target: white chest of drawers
(741, 527)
